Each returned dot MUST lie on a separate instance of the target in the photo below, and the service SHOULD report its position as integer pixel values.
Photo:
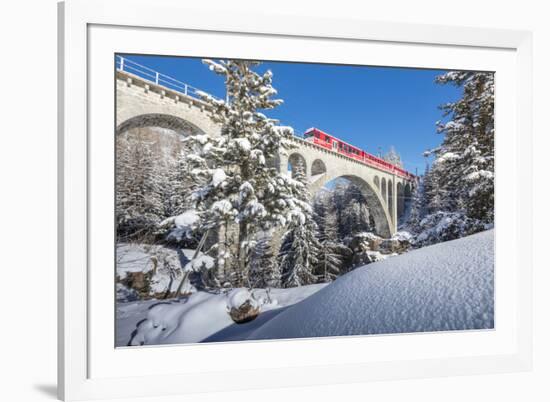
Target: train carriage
(327, 141)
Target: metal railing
(155, 77)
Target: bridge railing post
(157, 77)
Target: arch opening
(147, 170)
(296, 161)
(377, 182)
(318, 167)
(165, 121)
(378, 218)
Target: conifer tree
(464, 165)
(243, 192)
(179, 185)
(264, 271)
(459, 188)
(417, 210)
(330, 260)
(393, 157)
(139, 181)
(301, 247)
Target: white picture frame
(88, 367)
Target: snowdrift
(203, 316)
(448, 286)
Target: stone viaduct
(142, 102)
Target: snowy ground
(448, 286)
(200, 317)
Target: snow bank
(184, 320)
(199, 317)
(448, 286)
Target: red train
(322, 139)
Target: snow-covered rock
(150, 271)
(368, 238)
(242, 306)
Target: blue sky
(369, 107)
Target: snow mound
(187, 220)
(202, 261)
(448, 286)
(203, 316)
(402, 236)
(184, 320)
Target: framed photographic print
(247, 197)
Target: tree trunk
(242, 275)
(195, 255)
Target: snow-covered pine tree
(339, 199)
(264, 271)
(330, 259)
(355, 217)
(393, 157)
(351, 209)
(244, 192)
(417, 210)
(300, 246)
(179, 185)
(459, 187)
(320, 209)
(139, 204)
(464, 163)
